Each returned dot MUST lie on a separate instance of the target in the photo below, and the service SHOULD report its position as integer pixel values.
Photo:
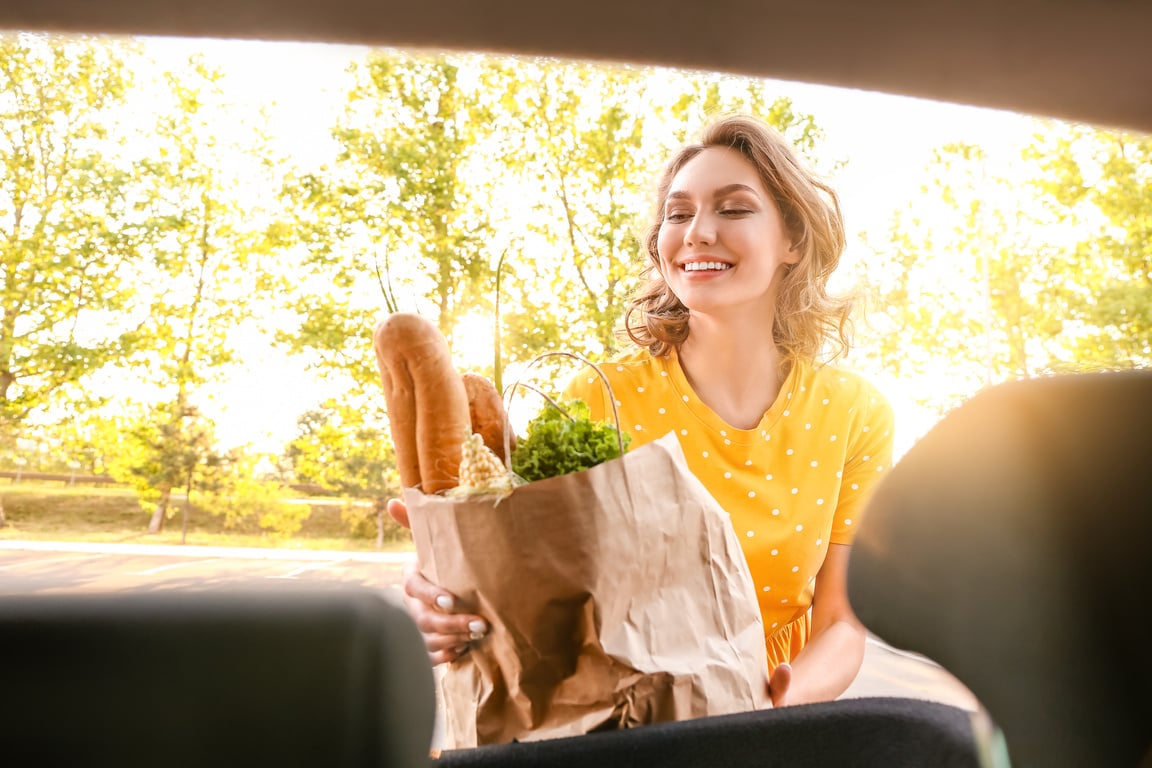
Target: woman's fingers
(446, 634)
(398, 510)
(435, 622)
(779, 684)
(449, 655)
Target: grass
(55, 512)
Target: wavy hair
(808, 321)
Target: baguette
(486, 413)
(426, 400)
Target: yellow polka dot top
(794, 484)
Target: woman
(728, 331)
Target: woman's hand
(779, 683)
(447, 635)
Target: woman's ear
(795, 245)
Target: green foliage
(169, 447)
(973, 282)
(398, 221)
(146, 251)
(1102, 181)
(575, 138)
(370, 521)
(201, 283)
(1017, 285)
(67, 219)
(704, 96)
(241, 498)
(83, 440)
(339, 447)
(346, 447)
(201, 235)
(564, 439)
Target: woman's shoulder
(840, 381)
(630, 363)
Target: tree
(169, 447)
(66, 234)
(237, 493)
(584, 153)
(1102, 182)
(338, 448)
(204, 239)
(397, 222)
(984, 298)
(66, 212)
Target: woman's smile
(705, 267)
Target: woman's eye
(734, 211)
(675, 216)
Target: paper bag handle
(510, 391)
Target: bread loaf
(486, 412)
(426, 400)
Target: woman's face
(722, 242)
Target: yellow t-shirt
(794, 484)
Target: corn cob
(480, 469)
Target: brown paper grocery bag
(618, 596)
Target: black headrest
(338, 677)
(1011, 545)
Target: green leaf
(559, 442)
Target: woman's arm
(831, 658)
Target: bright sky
(886, 140)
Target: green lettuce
(558, 442)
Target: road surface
(45, 568)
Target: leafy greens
(559, 442)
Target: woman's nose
(702, 230)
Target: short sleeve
(869, 459)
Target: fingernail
(444, 602)
(477, 627)
(477, 635)
(462, 649)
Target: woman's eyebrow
(727, 189)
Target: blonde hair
(807, 318)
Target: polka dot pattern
(791, 485)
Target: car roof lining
(1077, 60)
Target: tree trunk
(3, 522)
(187, 504)
(157, 523)
(380, 504)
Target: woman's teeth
(706, 266)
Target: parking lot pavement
(50, 567)
(55, 567)
(182, 550)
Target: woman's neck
(735, 369)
